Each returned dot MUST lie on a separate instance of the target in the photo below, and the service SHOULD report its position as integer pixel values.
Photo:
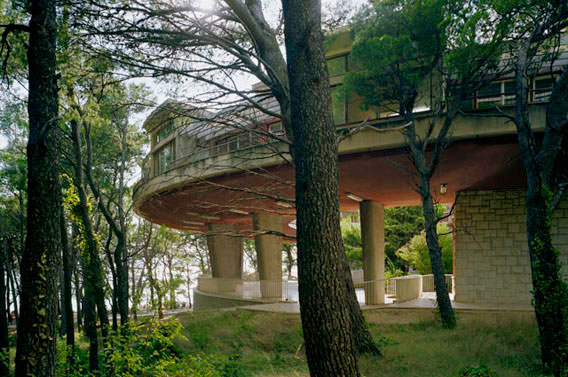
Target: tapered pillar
(373, 238)
(269, 253)
(225, 254)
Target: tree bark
(92, 266)
(119, 229)
(35, 353)
(4, 312)
(324, 294)
(67, 275)
(549, 290)
(435, 252)
(11, 285)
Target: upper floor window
(338, 106)
(542, 89)
(165, 157)
(276, 128)
(337, 66)
(165, 132)
(500, 93)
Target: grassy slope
(267, 344)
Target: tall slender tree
(35, 353)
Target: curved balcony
(227, 177)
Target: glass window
(490, 95)
(352, 65)
(336, 66)
(543, 89)
(233, 143)
(338, 106)
(275, 128)
(165, 158)
(510, 92)
(165, 132)
(244, 140)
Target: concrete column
(373, 238)
(225, 255)
(269, 254)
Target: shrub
(476, 371)
(417, 254)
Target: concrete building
(226, 175)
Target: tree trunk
(67, 275)
(324, 297)
(90, 320)
(11, 283)
(4, 312)
(120, 253)
(435, 252)
(78, 299)
(549, 290)
(35, 353)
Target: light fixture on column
(354, 197)
(443, 188)
(238, 211)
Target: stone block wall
(491, 250)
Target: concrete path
(427, 301)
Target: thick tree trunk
(37, 328)
(324, 295)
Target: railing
(267, 289)
(280, 290)
(428, 283)
(374, 292)
(371, 292)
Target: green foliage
(149, 349)
(476, 371)
(401, 224)
(351, 234)
(417, 254)
(396, 44)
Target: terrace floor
(426, 301)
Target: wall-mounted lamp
(240, 212)
(354, 197)
(443, 188)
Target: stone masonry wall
(491, 250)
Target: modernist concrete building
(226, 175)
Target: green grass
(269, 344)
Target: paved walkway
(427, 301)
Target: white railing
(375, 292)
(372, 292)
(280, 290)
(428, 283)
(266, 289)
